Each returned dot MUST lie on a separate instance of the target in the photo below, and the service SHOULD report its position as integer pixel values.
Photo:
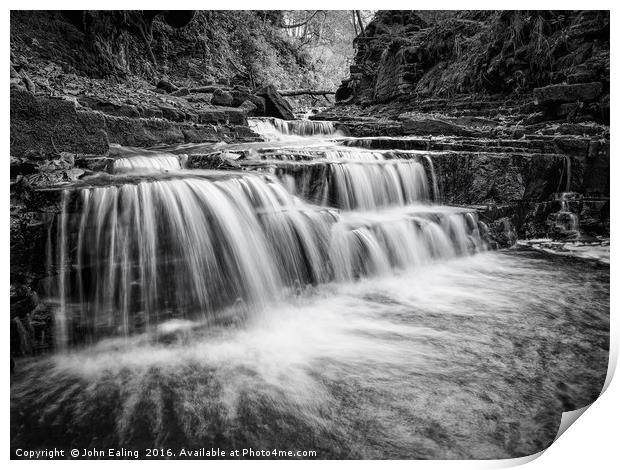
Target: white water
(466, 358)
(278, 129)
(226, 309)
(191, 245)
(159, 242)
(146, 163)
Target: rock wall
(509, 52)
(81, 81)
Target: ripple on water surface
(471, 358)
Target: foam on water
(224, 309)
(469, 358)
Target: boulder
(222, 98)
(503, 233)
(241, 96)
(28, 82)
(555, 94)
(248, 107)
(275, 104)
(181, 92)
(199, 98)
(166, 86)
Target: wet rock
(23, 300)
(605, 109)
(196, 134)
(241, 96)
(166, 86)
(54, 177)
(142, 132)
(94, 163)
(205, 98)
(429, 126)
(248, 107)
(181, 92)
(150, 111)
(275, 104)
(210, 89)
(29, 84)
(212, 161)
(108, 106)
(23, 166)
(503, 233)
(555, 94)
(487, 178)
(52, 125)
(222, 98)
(172, 114)
(222, 115)
(65, 161)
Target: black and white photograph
(307, 234)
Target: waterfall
(566, 219)
(373, 244)
(278, 129)
(147, 163)
(61, 315)
(163, 242)
(568, 174)
(187, 245)
(431, 167)
(363, 185)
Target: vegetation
(291, 49)
(512, 51)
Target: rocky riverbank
(76, 89)
(497, 93)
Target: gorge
(414, 271)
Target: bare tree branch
(297, 25)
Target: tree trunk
(354, 22)
(306, 92)
(359, 19)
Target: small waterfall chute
(279, 129)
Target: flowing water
(321, 299)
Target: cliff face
(184, 47)
(509, 53)
(518, 101)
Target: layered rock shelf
(511, 156)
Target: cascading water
(158, 242)
(317, 296)
(183, 247)
(141, 163)
(566, 219)
(367, 185)
(278, 129)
